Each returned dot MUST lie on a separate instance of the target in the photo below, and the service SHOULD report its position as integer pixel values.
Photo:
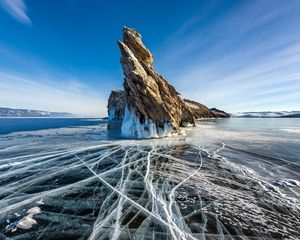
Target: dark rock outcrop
(201, 111)
(219, 113)
(148, 106)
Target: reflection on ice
(154, 189)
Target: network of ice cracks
(159, 189)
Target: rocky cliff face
(201, 111)
(219, 113)
(148, 106)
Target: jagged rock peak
(134, 41)
(148, 106)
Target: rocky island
(149, 106)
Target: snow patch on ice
(41, 201)
(34, 210)
(26, 222)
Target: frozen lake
(224, 179)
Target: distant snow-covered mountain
(11, 112)
(267, 114)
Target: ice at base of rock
(132, 128)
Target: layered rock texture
(201, 111)
(219, 113)
(148, 106)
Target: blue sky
(61, 55)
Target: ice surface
(25, 222)
(291, 130)
(111, 113)
(288, 183)
(85, 185)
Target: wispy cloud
(26, 81)
(17, 9)
(34, 94)
(247, 59)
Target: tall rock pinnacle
(148, 106)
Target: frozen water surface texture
(224, 179)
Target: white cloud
(17, 9)
(26, 81)
(23, 92)
(248, 59)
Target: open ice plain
(224, 179)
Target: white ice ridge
(132, 128)
(129, 189)
(239, 171)
(123, 195)
(172, 199)
(160, 204)
(175, 231)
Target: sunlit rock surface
(199, 110)
(148, 106)
(219, 113)
(202, 111)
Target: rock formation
(148, 106)
(201, 111)
(219, 113)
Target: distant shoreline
(54, 117)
